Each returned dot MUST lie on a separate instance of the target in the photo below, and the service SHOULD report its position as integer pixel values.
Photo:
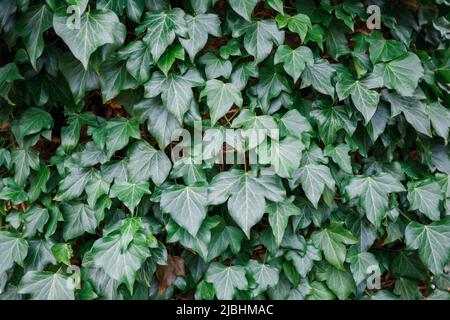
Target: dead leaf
(168, 274)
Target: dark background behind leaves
(92, 207)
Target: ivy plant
(116, 117)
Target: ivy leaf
(160, 122)
(118, 134)
(35, 219)
(78, 219)
(260, 37)
(295, 124)
(24, 159)
(114, 78)
(425, 196)
(382, 50)
(264, 275)
(340, 282)
(80, 80)
(319, 75)
(197, 36)
(8, 74)
(186, 205)
(286, 156)
(244, 8)
(299, 23)
(126, 261)
(216, 67)
(222, 238)
(364, 99)
(279, 213)
(95, 29)
(13, 249)
(31, 28)
(314, 178)
(161, 29)
(226, 280)
(440, 119)
(402, 74)
(47, 286)
(246, 202)
(373, 194)
(13, 193)
(413, 110)
(34, 120)
(220, 97)
(139, 60)
(304, 261)
(294, 61)
(360, 264)
(176, 92)
(168, 58)
(130, 193)
(331, 241)
(147, 162)
(432, 241)
(340, 155)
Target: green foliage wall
(92, 205)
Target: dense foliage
(93, 205)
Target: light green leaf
(432, 241)
(331, 241)
(161, 29)
(294, 61)
(373, 194)
(340, 156)
(197, 25)
(244, 8)
(130, 193)
(402, 74)
(147, 162)
(220, 97)
(47, 286)
(186, 205)
(13, 249)
(319, 75)
(226, 280)
(313, 178)
(96, 28)
(279, 213)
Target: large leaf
(331, 241)
(47, 286)
(432, 241)
(226, 280)
(31, 27)
(220, 97)
(197, 36)
(13, 249)
(373, 194)
(161, 29)
(402, 74)
(186, 205)
(95, 29)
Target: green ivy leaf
(432, 241)
(331, 241)
(95, 29)
(373, 194)
(186, 205)
(226, 280)
(220, 98)
(47, 286)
